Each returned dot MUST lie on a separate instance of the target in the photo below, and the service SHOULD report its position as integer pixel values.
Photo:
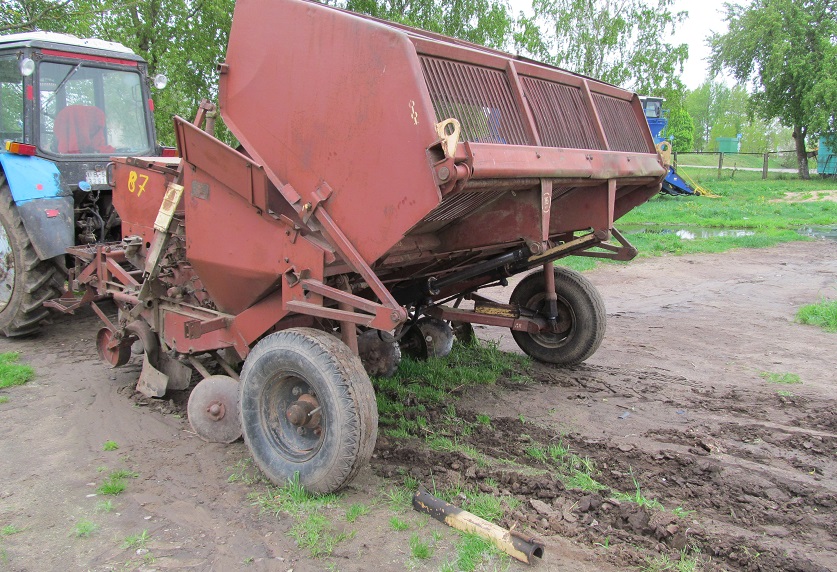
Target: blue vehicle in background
(657, 122)
(67, 105)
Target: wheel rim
(293, 417)
(565, 315)
(7, 268)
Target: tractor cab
(76, 102)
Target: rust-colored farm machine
(384, 176)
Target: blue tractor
(657, 122)
(66, 106)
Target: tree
(484, 22)
(786, 50)
(618, 41)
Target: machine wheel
(580, 308)
(26, 282)
(213, 409)
(379, 353)
(307, 407)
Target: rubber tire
(343, 390)
(579, 297)
(35, 281)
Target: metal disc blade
(213, 409)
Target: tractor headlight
(27, 67)
(160, 81)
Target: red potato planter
(377, 185)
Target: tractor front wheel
(26, 282)
(581, 318)
(307, 407)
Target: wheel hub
(304, 412)
(213, 409)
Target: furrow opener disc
(213, 409)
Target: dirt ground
(674, 398)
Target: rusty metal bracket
(624, 252)
(194, 329)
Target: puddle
(691, 233)
(829, 232)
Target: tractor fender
(45, 209)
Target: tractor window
(91, 110)
(11, 100)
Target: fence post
(764, 167)
(720, 163)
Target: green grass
(104, 506)
(784, 393)
(315, 533)
(291, 498)
(742, 205)
(475, 553)
(356, 511)
(488, 506)
(404, 398)
(112, 487)
(13, 373)
(398, 499)
(822, 314)
(110, 446)
(686, 562)
(9, 530)
(397, 524)
(84, 528)
(419, 548)
(4, 399)
(139, 540)
(638, 497)
(783, 378)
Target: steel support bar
(492, 161)
(329, 313)
(521, 324)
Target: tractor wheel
(307, 407)
(581, 314)
(26, 282)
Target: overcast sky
(705, 16)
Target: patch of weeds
(784, 393)
(115, 482)
(604, 544)
(4, 399)
(491, 482)
(686, 562)
(112, 486)
(681, 512)
(784, 378)
(411, 483)
(637, 496)
(13, 373)
(84, 528)
(822, 314)
(315, 533)
(490, 507)
(398, 498)
(245, 472)
(537, 452)
(583, 481)
(419, 548)
(404, 398)
(397, 524)
(110, 446)
(292, 499)
(474, 552)
(104, 506)
(483, 419)
(136, 540)
(101, 469)
(9, 530)
(522, 419)
(356, 511)
(247, 561)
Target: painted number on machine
(137, 182)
